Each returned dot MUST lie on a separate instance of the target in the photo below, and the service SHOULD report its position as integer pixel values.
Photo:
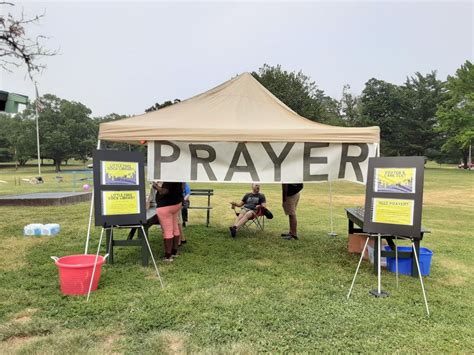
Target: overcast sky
(124, 56)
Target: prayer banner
(263, 162)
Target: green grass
(255, 293)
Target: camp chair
(254, 224)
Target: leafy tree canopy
(299, 93)
(456, 114)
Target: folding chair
(254, 224)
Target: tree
(16, 137)
(66, 129)
(157, 105)
(385, 105)
(405, 114)
(299, 93)
(17, 48)
(350, 107)
(456, 114)
(425, 93)
(5, 148)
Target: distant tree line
(424, 116)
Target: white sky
(124, 56)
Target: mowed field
(252, 294)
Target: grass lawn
(255, 293)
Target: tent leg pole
(90, 214)
(95, 264)
(379, 292)
(421, 279)
(331, 233)
(152, 257)
(396, 259)
(358, 266)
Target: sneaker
(168, 260)
(233, 231)
(184, 242)
(285, 234)
(174, 255)
(290, 237)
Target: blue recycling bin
(404, 265)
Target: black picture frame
(105, 221)
(413, 230)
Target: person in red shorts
(169, 198)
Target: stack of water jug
(37, 229)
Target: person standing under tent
(169, 198)
(183, 215)
(290, 197)
(186, 195)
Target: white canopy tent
(240, 109)
(241, 120)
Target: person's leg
(239, 216)
(166, 221)
(286, 209)
(184, 212)
(180, 226)
(290, 210)
(176, 210)
(293, 219)
(293, 225)
(240, 220)
(245, 218)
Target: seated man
(250, 203)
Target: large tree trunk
(464, 161)
(57, 163)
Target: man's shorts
(244, 210)
(289, 206)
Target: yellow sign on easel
(395, 180)
(393, 211)
(120, 202)
(119, 173)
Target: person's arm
(162, 190)
(187, 191)
(263, 202)
(241, 203)
(150, 198)
(237, 204)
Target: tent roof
(241, 110)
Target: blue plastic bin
(404, 265)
